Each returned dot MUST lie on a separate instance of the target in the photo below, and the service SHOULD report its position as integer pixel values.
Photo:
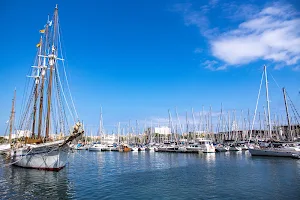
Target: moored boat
(51, 156)
(221, 148)
(234, 147)
(124, 148)
(47, 147)
(202, 145)
(276, 152)
(96, 147)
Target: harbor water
(153, 175)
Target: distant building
(109, 139)
(19, 134)
(164, 130)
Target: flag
(50, 23)
(38, 45)
(42, 31)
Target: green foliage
(2, 140)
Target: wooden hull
(126, 149)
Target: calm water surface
(150, 175)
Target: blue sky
(137, 59)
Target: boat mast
(289, 134)
(12, 118)
(43, 74)
(194, 129)
(222, 121)
(187, 126)
(100, 124)
(268, 103)
(52, 59)
(36, 88)
(202, 119)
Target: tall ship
(48, 112)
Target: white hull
(272, 152)
(194, 149)
(96, 147)
(167, 149)
(150, 149)
(4, 147)
(47, 156)
(106, 149)
(135, 149)
(235, 148)
(83, 148)
(209, 149)
(222, 149)
(114, 149)
(204, 148)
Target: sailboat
(272, 149)
(99, 146)
(44, 114)
(4, 148)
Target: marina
(181, 139)
(152, 175)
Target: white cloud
(198, 50)
(210, 64)
(297, 68)
(193, 17)
(272, 34)
(214, 65)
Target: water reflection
(16, 182)
(152, 175)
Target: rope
(293, 107)
(66, 73)
(275, 81)
(62, 91)
(59, 104)
(6, 165)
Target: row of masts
(226, 128)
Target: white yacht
(96, 147)
(135, 149)
(107, 147)
(167, 148)
(234, 147)
(222, 148)
(201, 145)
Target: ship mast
(289, 134)
(43, 74)
(12, 118)
(268, 103)
(52, 59)
(36, 89)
